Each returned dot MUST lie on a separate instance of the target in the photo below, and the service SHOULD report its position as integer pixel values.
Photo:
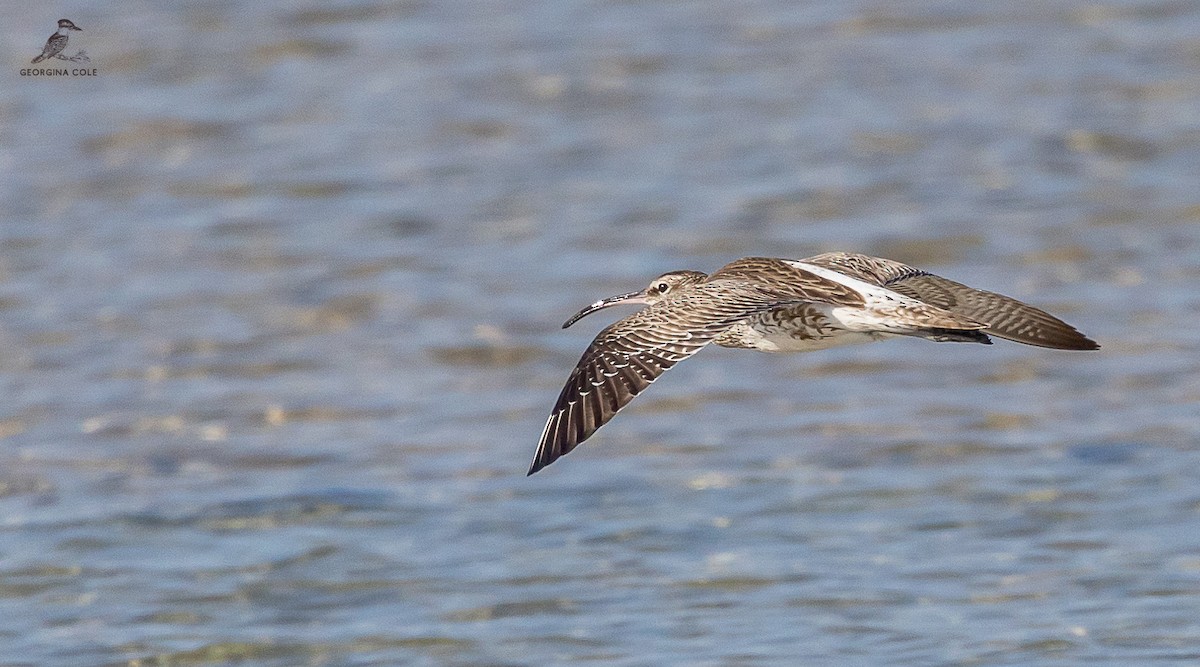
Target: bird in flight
(777, 305)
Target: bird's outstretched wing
(1005, 316)
(630, 354)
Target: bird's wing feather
(55, 45)
(1004, 316)
(630, 354)
(787, 282)
(874, 270)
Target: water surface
(280, 295)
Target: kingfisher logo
(54, 50)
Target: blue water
(280, 296)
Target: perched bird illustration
(57, 41)
(777, 305)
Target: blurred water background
(280, 295)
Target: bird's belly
(786, 341)
(802, 329)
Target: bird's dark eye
(663, 287)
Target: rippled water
(280, 295)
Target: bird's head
(66, 23)
(662, 287)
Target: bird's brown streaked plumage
(776, 277)
(1005, 316)
(776, 305)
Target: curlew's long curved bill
(631, 297)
